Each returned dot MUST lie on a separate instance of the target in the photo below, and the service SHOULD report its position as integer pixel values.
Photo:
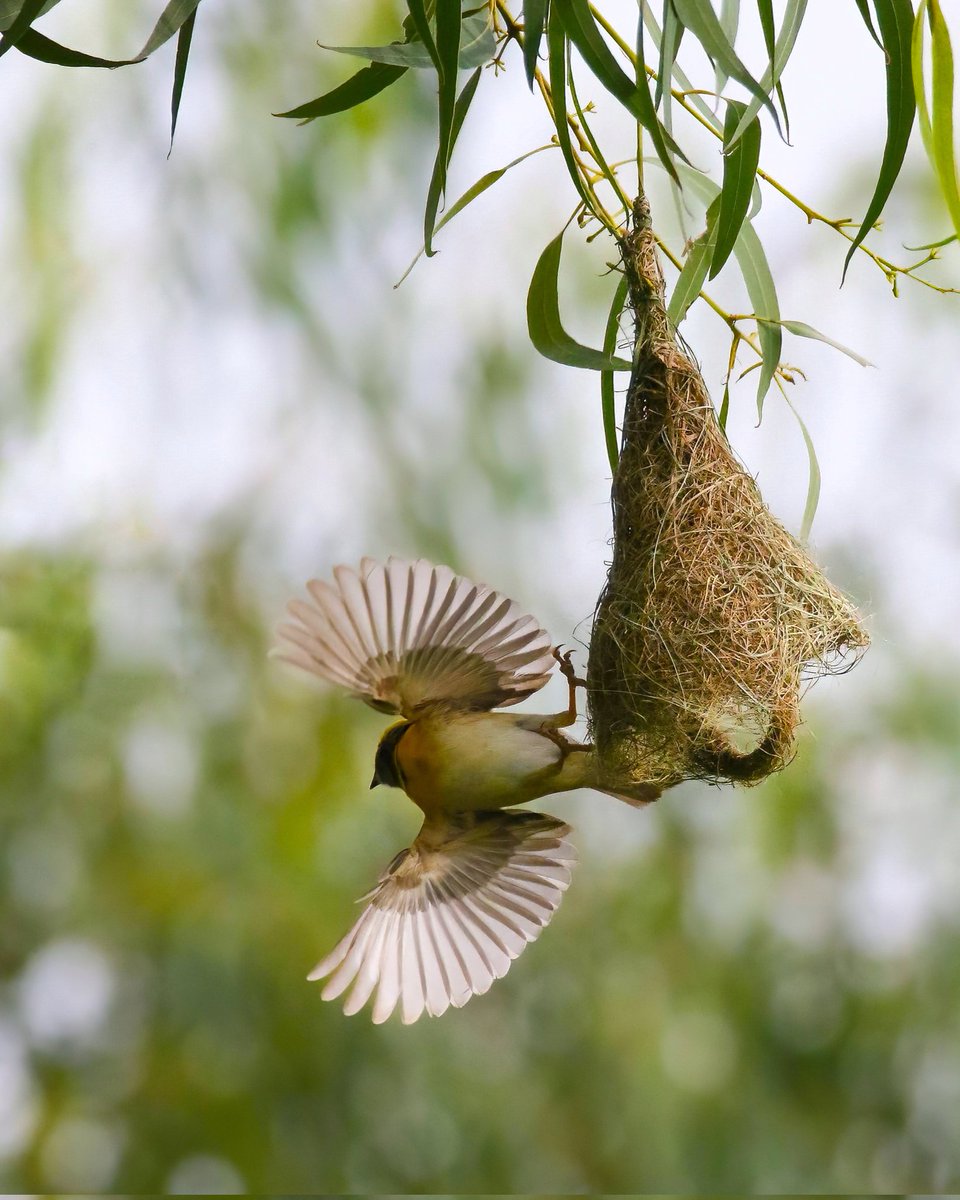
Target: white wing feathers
(451, 914)
(405, 634)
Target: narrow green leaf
(184, 38)
(701, 20)
(765, 9)
(170, 21)
(608, 400)
(694, 98)
(895, 18)
(439, 176)
(594, 144)
(477, 47)
(557, 68)
(919, 81)
(487, 181)
(21, 23)
(534, 16)
(477, 189)
(421, 23)
(763, 297)
(448, 57)
(545, 326)
(864, 8)
(669, 46)
(802, 329)
(813, 484)
(730, 24)
(739, 177)
(952, 237)
(694, 271)
(634, 96)
(367, 82)
(43, 49)
(724, 406)
(11, 9)
(944, 154)
(793, 15)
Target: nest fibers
(713, 617)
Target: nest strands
(713, 616)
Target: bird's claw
(566, 667)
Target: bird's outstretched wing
(451, 913)
(407, 634)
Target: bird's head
(385, 769)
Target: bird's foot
(565, 746)
(566, 667)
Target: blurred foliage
(747, 991)
(182, 836)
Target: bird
(481, 880)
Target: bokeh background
(209, 392)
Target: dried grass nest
(713, 617)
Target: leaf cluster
(645, 78)
(560, 44)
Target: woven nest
(713, 617)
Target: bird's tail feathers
(637, 795)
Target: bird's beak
(374, 782)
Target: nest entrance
(713, 616)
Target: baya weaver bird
(452, 911)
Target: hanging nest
(713, 617)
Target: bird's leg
(552, 725)
(562, 720)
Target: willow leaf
(184, 38)
(44, 49)
(171, 21)
(545, 326)
(813, 477)
(21, 23)
(693, 96)
(368, 82)
(477, 189)
(557, 69)
(739, 177)
(763, 296)
(702, 21)
(765, 9)
(864, 8)
(438, 178)
(793, 15)
(668, 45)
(944, 154)
(919, 81)
(608, 400)
(534, 16)
(448, 57)
(423, 30)
(477, 46)
(11, 9)
(730, 24)
(895, 19)
(633, 95)
(802, 329)
(695, 267)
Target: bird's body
(465, 761)
(479, 883)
